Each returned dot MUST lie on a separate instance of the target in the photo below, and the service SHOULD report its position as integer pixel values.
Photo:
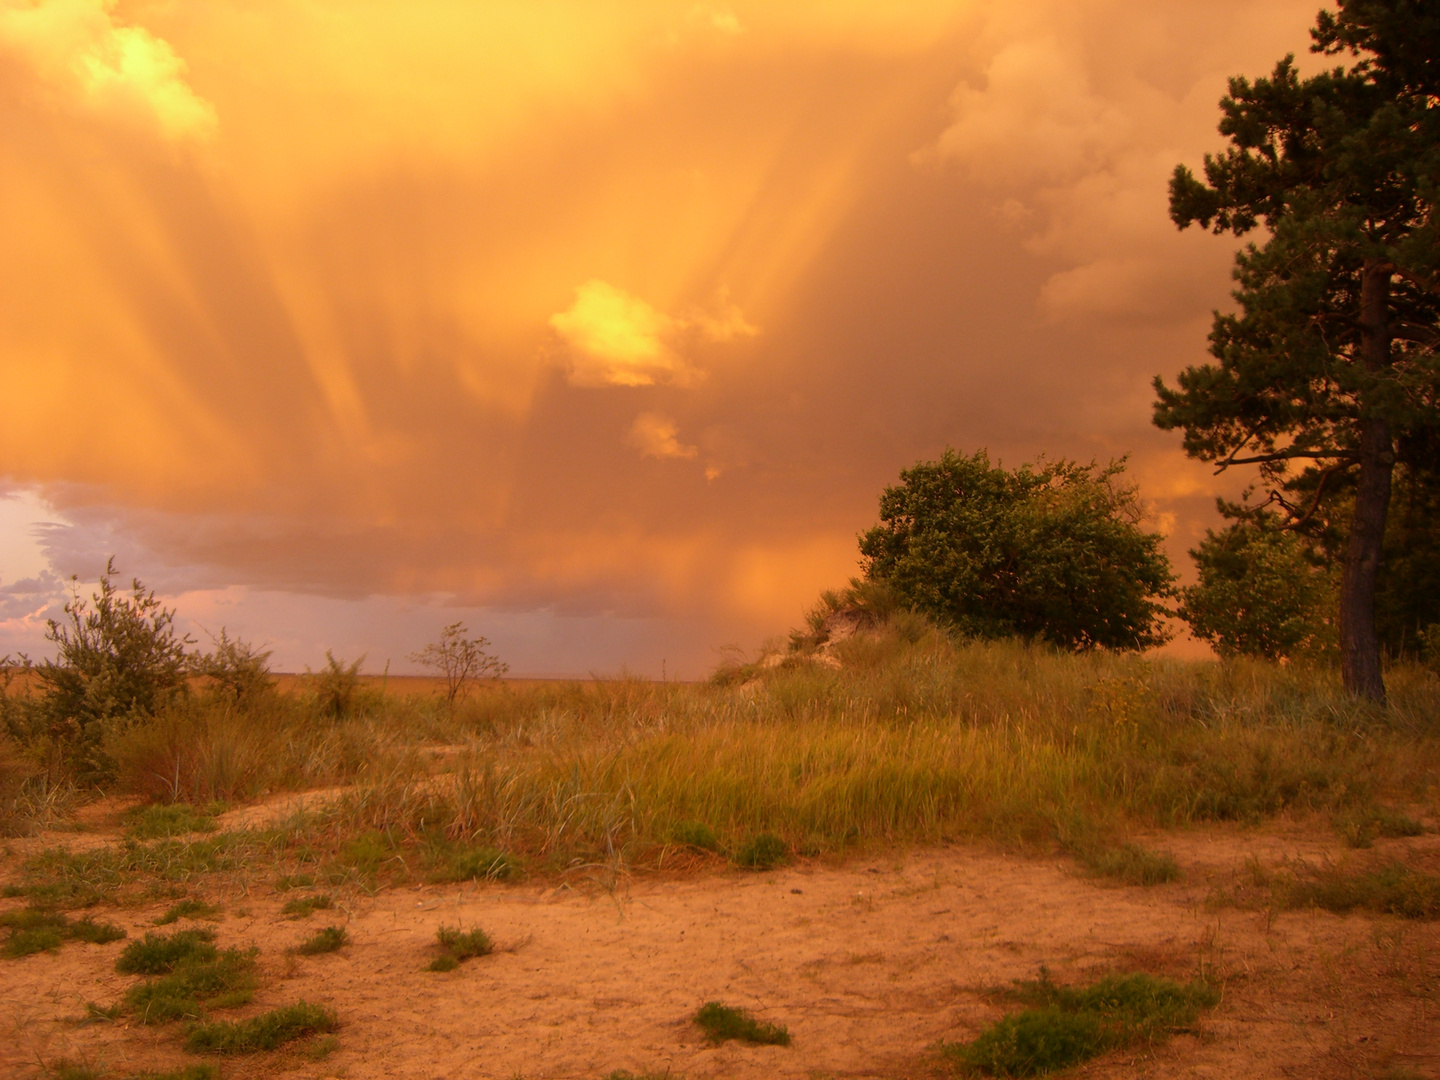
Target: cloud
(656, 436)
(83, 56)
(616, 339)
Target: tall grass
(916, 738)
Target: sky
(598, 325)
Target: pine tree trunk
(1359, 642)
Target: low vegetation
(302, 907)
(188, 909)
(1063, 1026)
(267, 1031)
(329, 939)
(37, 929)
(457, 946)
(723, 1022)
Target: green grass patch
(156, 954)
(329, 939)
(476, 864)
(302, 907)
(722, 1022)
(457, 945)
(368, 851)
(37, 929)
(695, 834)
(1394, 890)
(286, 882)
(265, 1032)
(322, 1048)
(1131, 864)
(189, 1072)
(188, 909)
(1064, 1026)
(764, 852)
(159, 820)
(223, 981)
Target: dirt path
(868, 964)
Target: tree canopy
(1052, 551)
(1328, 371)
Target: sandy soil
(869, 964)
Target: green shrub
(457, 945)
(764, 852)
(329, 939)
(265, 1032)
(1067, 1025)
(722, 1022)
(157, 954)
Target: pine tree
(1331, 361)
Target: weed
(38, 929)
(187, 909)
(329, 939)
(223, 981)
(1394, 889)
(157, 954)
(457, 945)
(294, 881)
(695, 834)
(1131, 865)
(721, 1022)
(1067, 1025)
(159, 820)
(264, 1032)
(189, 1072)
(302, 907)
(1360, 830)
(476, 864)
(764, 852)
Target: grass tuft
(329, 939)
(722, 1022)
(64, 1069)
(265, 1032)
(477, 864)
(695, 834)
(37, 929)
(1131, 864)
(1067, 1025)
(1362, 828)
(224, 981)
(1394, 890)
(764, 852)
(157, 954)
(458, 945)
(189, 1072)
(159, 820)
(302, 907)
(188, 909)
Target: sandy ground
(869, 964)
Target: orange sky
(600, 324)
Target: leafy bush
(265, 1032)
(238, 673)
(1260, 593)
(722, 1022)
(1052, 551)
(118, 657)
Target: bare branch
(1287, 455)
